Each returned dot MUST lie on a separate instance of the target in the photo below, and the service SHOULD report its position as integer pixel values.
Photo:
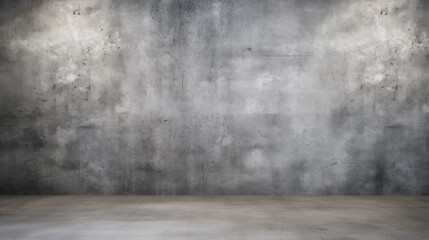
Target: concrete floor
(213, 217)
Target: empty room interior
(214, 119)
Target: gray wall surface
(214, 97)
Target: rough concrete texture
(212, 218)
(214, 97)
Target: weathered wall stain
(214, 97)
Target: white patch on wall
(68, 35)
(217, 11)
(252, 106)
(256, 159)
(378, 78)
(263, 80)
(67, 74)
(226, 141)
(425, 108)
(71, 77)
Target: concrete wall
(214, 97)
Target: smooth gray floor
(213, 217)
